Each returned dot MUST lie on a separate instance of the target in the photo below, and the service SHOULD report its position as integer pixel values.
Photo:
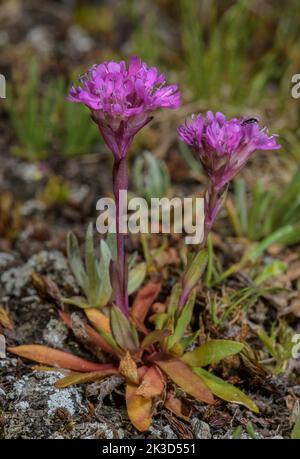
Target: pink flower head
(224, 146)
(122, 99)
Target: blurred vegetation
(45, 122)
(271, 214)
(236, 56)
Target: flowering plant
(223, 146)
(122, 101)
(153, 341)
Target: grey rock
(55, 333)
(201, 429)
(15, 279)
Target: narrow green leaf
(224, 390)
(122, 330)
(210, 261)
(105, 289)
(234, 217)
(182, 321)
(260, 201)
(91, 267)
(296, 430)
(285, 201)
(195, 269)
(251, 431)
(274, 269)
(108, 338)
(154, 337)
(160, 320)
(291, 236)
(241, 203)
(212, 352)
(186, 341)
(77, 301)
(75, 262)
(237, 433)
(174, 300)
(111, 241)
(136, 277)
(285, 235)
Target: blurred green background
(234, 56)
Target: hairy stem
(120, 183)
(211, 196)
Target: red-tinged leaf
(142, 371)
(139, 408)
(142, 303)
(80, 378)
(177, 407)
(153, 383)
(128, 369)
(49, 356)
(184, 377)
(98, 319)
(92, 334)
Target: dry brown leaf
(139, 408)
(177, 407)
(167, 257)
(128, 369)
(80, 378)
(153, 383)
(5, 319)
(46, 288)
(98, 319)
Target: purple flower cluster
(122, 99)
(224, 145)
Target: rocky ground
(31, 407)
